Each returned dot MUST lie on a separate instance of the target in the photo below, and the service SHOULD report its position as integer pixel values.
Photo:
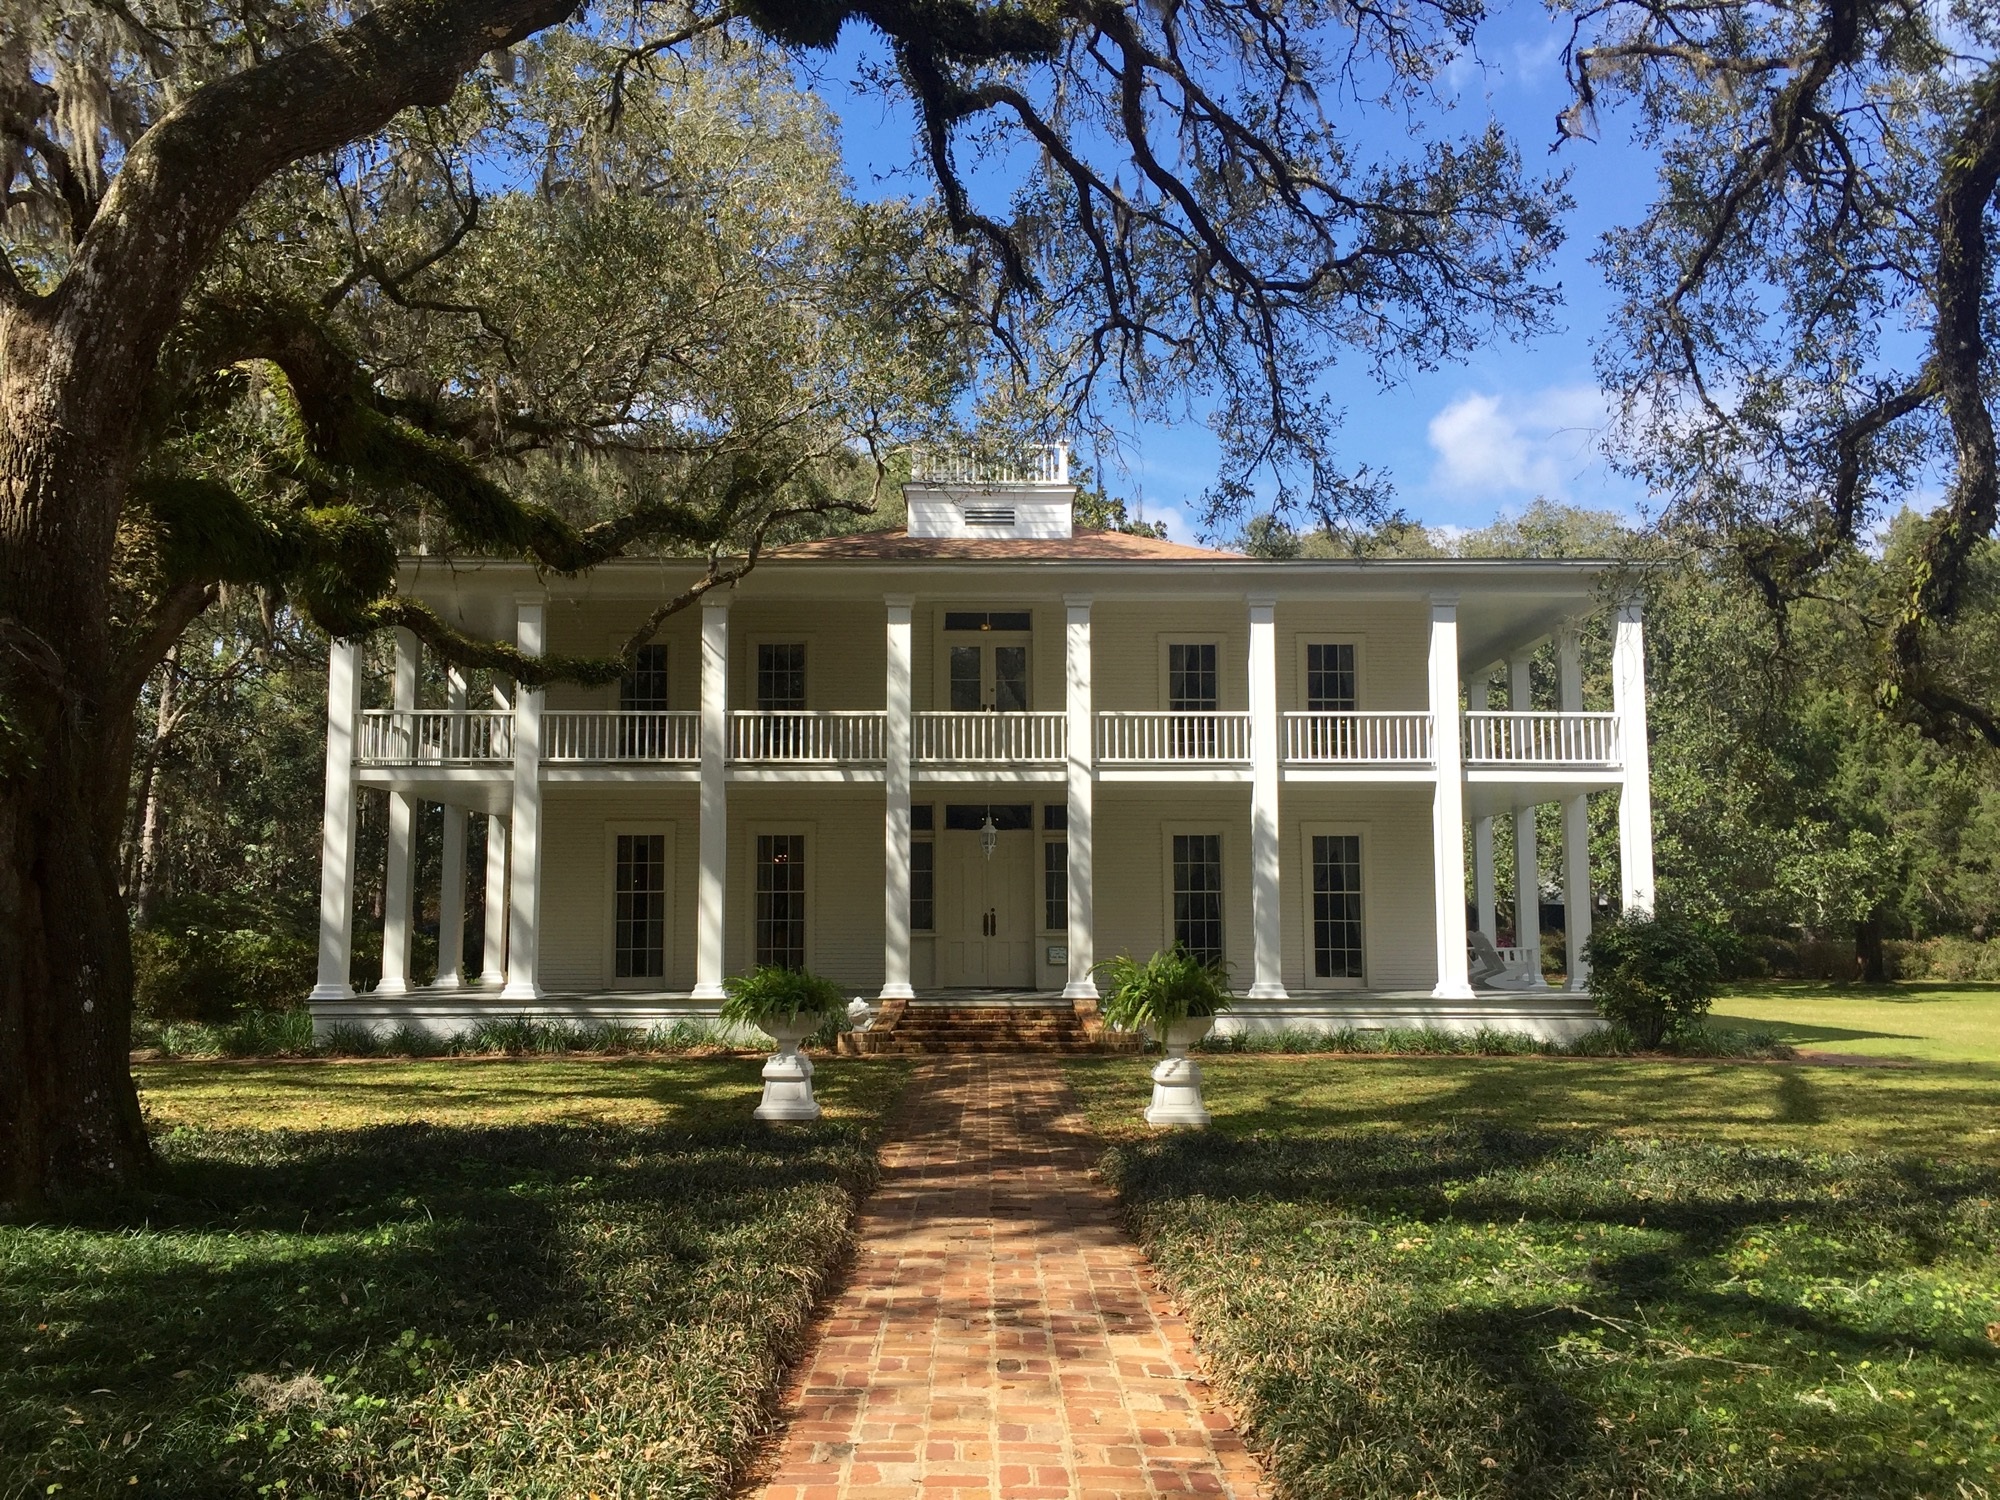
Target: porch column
(1448, 805)
(1266, 920)
(1484, 890)
(713, 882)
(1635, 796)
(1527, 851)
(493, 965)
(1576, 825)
(451, 874)
(524, 885)
(896, 827)
(336, 845)
(1082, 771)
(399, 882)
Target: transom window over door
(1197, 878)
(781, 900)
(1336, 906)
(639, 917)
(1330, 677)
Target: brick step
(896, 1046)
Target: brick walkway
(1000, 1335)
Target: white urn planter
(1177, 1080)
(788, 1076)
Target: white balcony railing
(1547, 739)
(612, 735)
(802, 736)
(434, 736)
(1007, 739)
(1046, 465)
(1343, 739)
(1173, 738)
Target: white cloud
(1536, 443)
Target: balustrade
(800, 736)
(1332, 739)
(1173, 738)
(1556, 739)
(434, 736)
(615, 735)
(991, 738)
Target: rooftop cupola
(968, 495)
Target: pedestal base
(788, 1086)
(1177, 1080)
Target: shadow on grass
(433, 1280)
(1493, 1311)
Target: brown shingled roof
(1085, 546)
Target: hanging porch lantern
(989, 836)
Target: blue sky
(1464, 443)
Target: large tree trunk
(68, 1111)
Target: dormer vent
(989, 515)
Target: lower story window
(640, 916)
(1198, 895)
(1055, 885)
(923, 885)
(781, 900)
(1336, 896)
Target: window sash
(1055, 885)
(1191, 678)
(781, 676)
(781, 900)
(923, 886)
(643, 689)
(1197, 860)
(1330, 685)
(639, 906)
(1336, 906)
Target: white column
(1635, 796)
(896, 824)
(1266, 921)
(713, 882)
(451, 873)
(1484, 890)
(1527, 852)
(1448, 804)
(1576, 824)
(524, 884)
(399, 883)
(493, 966)
(336, 848)
(1082, 730)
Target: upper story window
(1191, 680)
(781, 675)
(1330, 677)
(643, 689)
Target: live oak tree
(1806, 338)
(252, 331)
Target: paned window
(970, 817)
(923, 885)
(781, 900)
(1191, 678)
(1055, 816)
(643, 689)
(1330, 677)
(1198, 894)
(1055, 885)
(965, 686)
(1336, 897)
(781, 675)
(639, 916)
(1010, 679)
(963, 619)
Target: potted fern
(1176, 997)
(788, 1005)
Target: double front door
(990, 675)
(986, 919)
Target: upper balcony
(947, 746)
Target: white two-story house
(979, 755)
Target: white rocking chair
(1492, 972)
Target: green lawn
(520, 1278)
(1534, 1277)
(1935, 1022)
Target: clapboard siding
(1128, 657)
(1399, 941)
(596, 629)
(1394, 650)
(846, 650)
(576, 881)
(844, 843)
(1134, 884)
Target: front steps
(948, 1027)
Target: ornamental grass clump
(1654, 975)
(1170, 987)
(770, 993)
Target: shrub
(1655, 976)
(205, 962)
(1167, 988)
(770, 993)
(1954, 959)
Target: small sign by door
(1058, 953)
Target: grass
(1539, 1277)
(1433, 1041)
(530, 1278)
(1933, 1021)
(289, 1033)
